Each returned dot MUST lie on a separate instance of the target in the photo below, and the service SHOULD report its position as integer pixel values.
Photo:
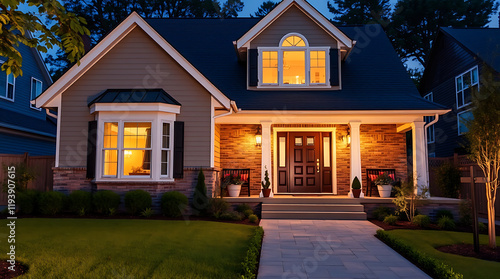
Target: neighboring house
(24, 127)
(454, 68)
(163, 98)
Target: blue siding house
(23, 127)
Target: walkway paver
(302, 249)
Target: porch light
(258, 137)
(347, 138)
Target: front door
(303, 165)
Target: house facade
(454, 68)
(315, 104)
(24, 127)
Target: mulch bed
(467, 250)
(5, 273)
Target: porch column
(419, 146)
(266, 153)
(355, 156)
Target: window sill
(130, 180)
(7, 99)
(298, 88)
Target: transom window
(36, 90)
(293, 63)
(464, 84)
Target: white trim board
(111, 40)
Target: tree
(264, 9)
(18, 26)
(484, 139)
(359, 11)
(415, 23)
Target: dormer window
(293, 64)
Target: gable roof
(47, 98)
(373, 77)
(121, 96)
(483, 43)
(282, 7)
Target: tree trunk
(491, 224)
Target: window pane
(10, 78)
(136, 162)
(467, 95)
(137, 135)
(310, 141)
(110, 135)
(460, 100)
(36, 88)
(164, 162)
(466, 79)
(459, 83)
(462, 121)
(166, 135)
(475, 76)
(326, 152)
(282, 150)
(294, 41)
(318, 69)
(269, 67)
(298, 141)
(110, 162)
(294, 64)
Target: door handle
(317, 165)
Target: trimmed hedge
(137, 201)
(27, 201)
(80, 202)
(174, 204)
(251, 261)
(433, 267)
(106, 202)
(51, 203)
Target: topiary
(200, 199)
(390, 220)
(80, 202)
(173, 204)
(137, 200)
(422, 221)
(52, 202)
(444, 212)
(27, 201)
(253, 218)
(106, 201)
(356, 184)
(381, 212)
(446, 223)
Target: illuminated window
(294, 63)
(464, 84)
(36, 90)
(136, 148)
(110, 146)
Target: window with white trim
(165, 148)
(464, 84)
(36, 90)
(294, 63)
(431, 136)
(463, 118)
(10, 88)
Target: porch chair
(372, 174)
(244, 173)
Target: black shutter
(91, 149)
(253, 68)
(178, 149)
(334, 67)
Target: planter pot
(356, 192)
(234, 190)
(384, 191)
(266, 192)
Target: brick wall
(343, 161)
(67, 180)
(238, 151)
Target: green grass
(427, 240)
(92, 248)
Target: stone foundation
(67, 180)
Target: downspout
(50, 113)
(436, 118)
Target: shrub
(23, 176)
(253, 218)
(231, 215)
(80, 202)
(217, 207)
(173, 204)
(431, 266)
(422, 221)
(248, 212)
(446, 223)
(136, 201)
(482, 228)
(444, 212)
(448, 179)
(147, 212)
(243, 207)
(381, 212)
(51, 203)
(106, 201)
(251, 261)
(27, 201)
(465, 213)
(390, 220)
(200, 199)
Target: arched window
(293, 63)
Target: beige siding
(293, 20)
(136, 62)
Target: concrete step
(316, 215)
(299, 200)
(314, 207)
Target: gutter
(436, 119)
(50, 113)
(225, 114)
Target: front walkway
(329, 249)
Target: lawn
(96, 248)
(427, 240)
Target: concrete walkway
(329, 249)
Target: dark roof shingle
(134, 96)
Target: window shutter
(91, 149)
(253, 69)
(178, 149)
(334, 67)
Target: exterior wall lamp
(347, 138)
(258, 137)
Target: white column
(266, 153)
(355, 156)
(419, 146)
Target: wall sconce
(347, 138)
(258, 137)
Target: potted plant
(384, 186)
(266, 191)
(233, 184)
(356, 187)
